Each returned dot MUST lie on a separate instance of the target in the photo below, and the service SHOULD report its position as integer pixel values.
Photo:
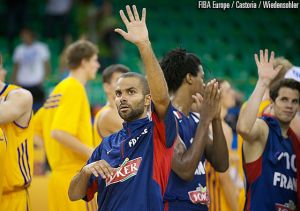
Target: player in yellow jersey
(3, 145)
(66, 125)
(16, 169)
(107, 119)
(224, 187)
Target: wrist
(263, 83)
(143, 44)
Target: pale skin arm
(72, 143)
(253, 130)
(137, 33)
(184, 161)
(109, 122)
(16, 107)
(79, 184)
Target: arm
(217, 146)
(109, 122)
(72, 143)
(248, 126)
(184, 161)
(138, 34)
(16, 107)
(230, 190)
(79, 184)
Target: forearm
(154, 73)
(230, 190)
(219, 147)
(78, 186)
(186, 163)
(72, 143)
(248, 114)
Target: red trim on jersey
(162, 157)
(247, 206)
(92, 190)
(253, 170)
(166, 206)
(296, 148)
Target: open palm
(137, 31)
(266, 71)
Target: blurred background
(224, 40)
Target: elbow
(242, 130)
(72, 195)
(222, 166)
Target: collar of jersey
(130, 127)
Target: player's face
(199, 81)
(92, 65)
(286, 104)
(227, 98)
(130, 100)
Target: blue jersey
(142, 153)
(181, 194)
(271, 180)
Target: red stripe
(253, 170)
(92, 190)
(248, 199)
(166, 206)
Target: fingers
(261, 56)
(144, 15)
(129, 13)
(266, 56)
(121, 32)
(278, 68)
(272, 57)
(135, 12)
(101, 168)
(123, 17)
(256, 59)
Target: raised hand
(197, 104)
(137, 31)
(99, 168)
(210, 107)
(266, 72)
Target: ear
(147, 100)
(107, 88)
(189, 78)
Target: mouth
(124, 108)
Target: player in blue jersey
(270, 146)
(130, 168)
(186, 189)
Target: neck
(223, 113)
(80, 75)
(182, 100)
(284, 128)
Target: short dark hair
(288, 83)
(110, 70)
(141, 78)
(78, 51)
(176, 64)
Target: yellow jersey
(3, 145)
(18, 163)
(66, 109)
(97, 136)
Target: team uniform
(3, 145)
(272, 179)
(66, 109)
(142, 153)
(242, 196)
(18, 163)
(217, 195)
(97, 136)
(187, 195)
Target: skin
(128, 96)
(255, 131)
(110, 121)
(86, 71)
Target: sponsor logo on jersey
(127, 170)
(285, 207)
(200, 195)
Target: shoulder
(20, 94)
